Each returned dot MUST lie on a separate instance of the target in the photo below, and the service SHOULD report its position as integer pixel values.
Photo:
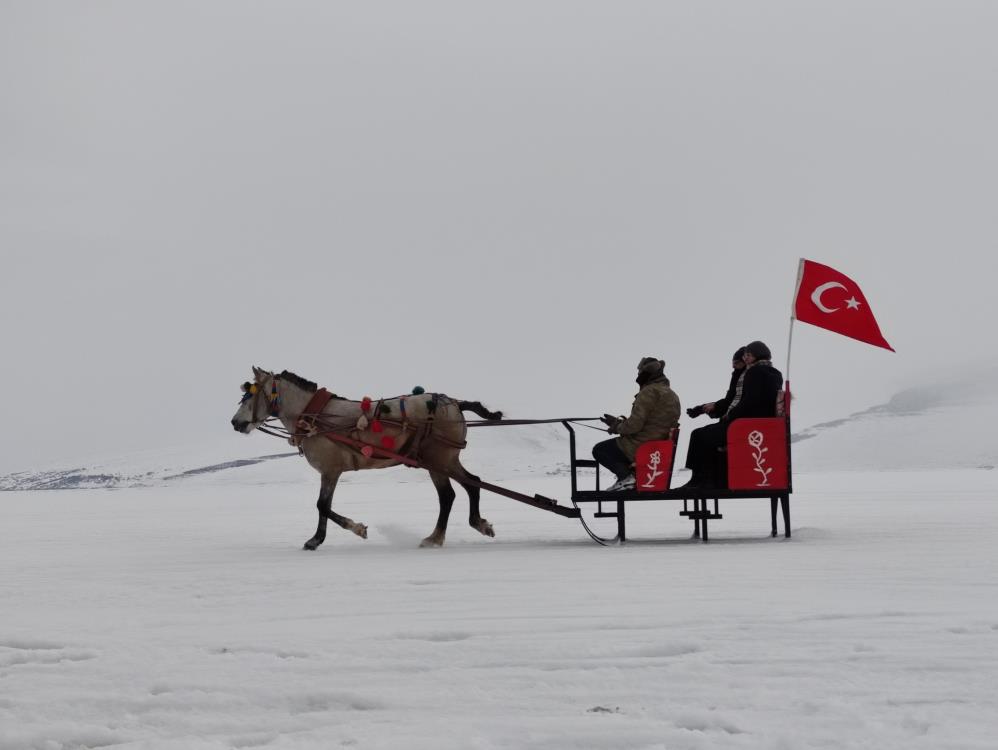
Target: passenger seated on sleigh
(717, 409)
(654, 413)
(754, 396)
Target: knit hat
(758, 350)
(651, 365)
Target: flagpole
(790, 341)
(793, 316)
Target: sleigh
(426, 431)
(755, 463)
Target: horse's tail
(476, 406)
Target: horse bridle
(254, 391)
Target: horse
(426, 430)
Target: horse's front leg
(348, 523)
(324, 504)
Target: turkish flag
(831, 300)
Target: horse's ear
(258, 373)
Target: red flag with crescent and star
(831, 300)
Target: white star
(852, 303)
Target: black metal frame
(700, 512)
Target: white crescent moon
(816, 296)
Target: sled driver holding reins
(654, 413)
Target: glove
(694, 411)
(611, 423)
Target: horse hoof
(484, 528)
(311, 545)
(360, 530)
(430, 542)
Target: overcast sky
(512, 202)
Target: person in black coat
(716, 409)
(754, 396)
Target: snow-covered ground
(189, 617)
(184, 614)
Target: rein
(377, 451)
(310, 423)
(510, 422)
(295, 438)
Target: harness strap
(384, 452)
(273, 400)
(431, 415)
(309, 424)
(306, 424)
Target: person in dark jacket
(654, 413)
(716, 409)
(754, 396)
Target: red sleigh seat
(653, 463)
(757, 454)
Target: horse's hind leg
(324, 504)
(476, 521)
(446, 494)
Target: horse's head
(259, 401)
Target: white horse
(427, 430)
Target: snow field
(189, 617)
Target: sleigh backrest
(758, 454)
(653, 463)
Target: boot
(624, 483)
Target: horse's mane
(299, 381)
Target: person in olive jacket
(754, 396)
(654, 413)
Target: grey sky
(510, 202)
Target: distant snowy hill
(260, 459)
(947, 425)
